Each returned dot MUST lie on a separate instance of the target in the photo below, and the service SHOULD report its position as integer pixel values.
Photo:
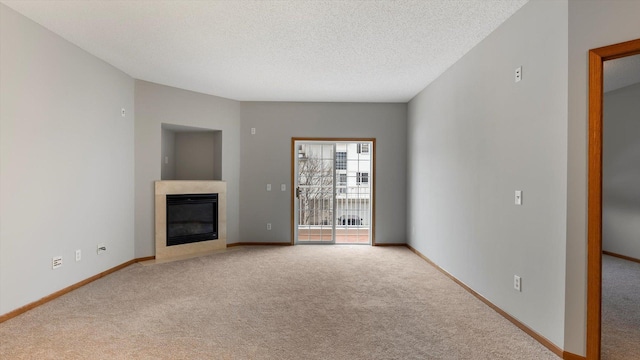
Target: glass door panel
(315, 175)
(353, 192)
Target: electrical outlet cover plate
(517, 283)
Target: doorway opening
(597, 57)
(333, 191)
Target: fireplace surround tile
(171, 187)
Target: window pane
(363, 148)
(341, 160)
(362, 178)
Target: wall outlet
(518, 74)
(78, 255)
(518, 197)
(517, 283)
(101, 248)
(268, 226)
(56, 262)
(283, 187)
(253, 131)
(123, 112)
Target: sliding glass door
(333, 197)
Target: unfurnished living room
(299, 179)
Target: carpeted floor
(620, 309)
(302, 302)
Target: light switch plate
(518, 197)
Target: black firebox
(191, 218)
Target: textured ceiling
(290, 50)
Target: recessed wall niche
(190, 153)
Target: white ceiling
(289, 50)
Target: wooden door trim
(594, 233)
(373, 176)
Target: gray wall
(621, 172)
(592, 24)
(266, 158)
(476, 136)
(168, 156)
(157, 104)
(66, 162)
(217, 155)
(195, 156)
(77, 141)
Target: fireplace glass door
(191, 218)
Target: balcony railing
(353, 191)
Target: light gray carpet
(302, 302)
(620, 309)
